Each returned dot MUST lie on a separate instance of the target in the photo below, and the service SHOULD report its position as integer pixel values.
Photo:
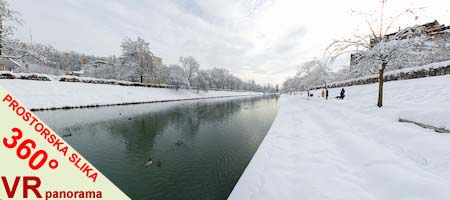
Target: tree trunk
(380, 86)
(1, 35)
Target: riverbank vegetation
(136, 63)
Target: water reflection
(199, 149)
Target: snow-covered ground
(56, 94)
(397, 72)
(350, 149)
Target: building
(98, 63)
(151, 69)
(434, 30)
(75, 73)
(8, 64)
(156, 61)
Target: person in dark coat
(342, 93)
(326, 93)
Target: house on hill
(435, 31)
(8, 64)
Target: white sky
(264, 40)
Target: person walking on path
(326, 93)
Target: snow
(409, 69)
(350, 149)
(56, 94)
(431, 117)
(427, 67)
(26, 75)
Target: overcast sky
(264, 40)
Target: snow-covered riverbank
(350, 149)
(55, 94)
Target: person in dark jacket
(342, 94)
(326, 93)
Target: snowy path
(349, 149)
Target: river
(199, 148)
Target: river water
(199, 148)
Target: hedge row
(393, 76)
(111, 82)
(24, 76)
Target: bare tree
(6, 14)
(379, 47)
(177, 76)
(190, 66)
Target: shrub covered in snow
(110, 82)
(435, 69)
(25, 76)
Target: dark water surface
(199, 148)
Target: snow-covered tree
(178, 76)
(190, 66)
(310, 74)
(8, 18)
(163, 76)
(137, 57)
(219, 77)
(202, 80)
(135, 62)
(380, 49)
